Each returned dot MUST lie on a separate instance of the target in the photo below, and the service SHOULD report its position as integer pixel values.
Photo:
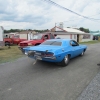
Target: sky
(40, 14)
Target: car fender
(61, 53)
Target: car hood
(43, 48)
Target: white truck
(1, 36)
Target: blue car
(56, 50)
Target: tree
(84, 29)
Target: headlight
(29, 44)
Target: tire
(82, 54)
(65, 61)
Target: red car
(12, 39)
(37, 39)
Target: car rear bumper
(44, 58)
(49, 59)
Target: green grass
(90, 42)
(11, 54)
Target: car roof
(60, 40)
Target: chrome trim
(53, 57)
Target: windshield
(38, 36)
(17, 36)
(55, 43)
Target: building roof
(67, 30)
(72, 30)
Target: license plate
(37, 53)
(38, 57)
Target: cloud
(38, 14)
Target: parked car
(37, 40)
(12, 40)
(56, 50)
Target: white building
(26, 34)
(1, 36)
(72, 33)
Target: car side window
(74, 43)
(45, 37)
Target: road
(20, 80)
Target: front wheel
(82, 53)
(65, 61)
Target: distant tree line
(20, 30)
(12, 30)
(39, 31)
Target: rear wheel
(65, 61)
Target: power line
(57, 5)
(79, 18)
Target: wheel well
(7, 41)
(84, 50)
(69, 55)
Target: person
(8, 44)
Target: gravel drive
(92, 92)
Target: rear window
(56, 43)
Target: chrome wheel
(66, 59)
(82, 53)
